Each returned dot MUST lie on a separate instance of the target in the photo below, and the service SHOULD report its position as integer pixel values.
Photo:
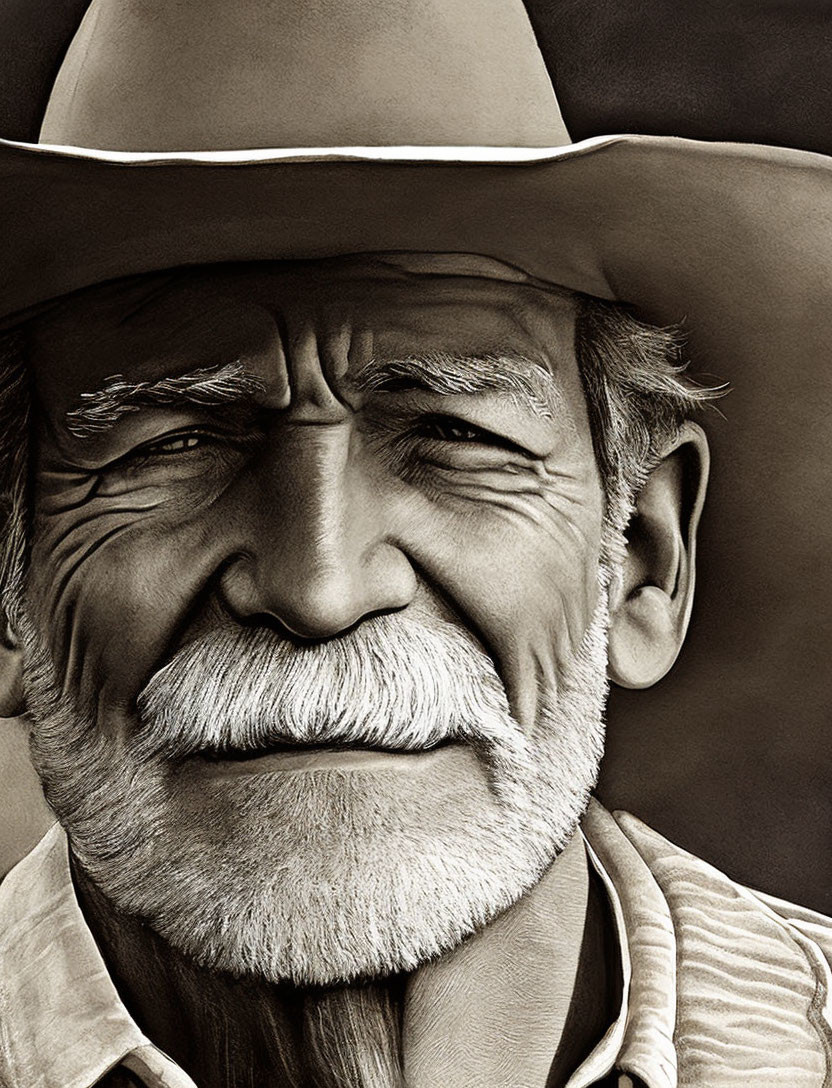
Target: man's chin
(327, 875)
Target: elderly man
(338, 487)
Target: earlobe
(11, 670)
(650, 609)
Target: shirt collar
(63, 1025)
(639, 1043)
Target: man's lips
(287, 756)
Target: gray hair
(14, 456)
(637, 398)
(638, 395)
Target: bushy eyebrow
(209, 387)
(528, 383)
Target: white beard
(323, 876)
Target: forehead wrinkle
(206, 387)
(526, 381)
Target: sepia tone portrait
(390, 394)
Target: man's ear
(650, 604)
(11, 669)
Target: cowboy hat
(179, 133)
(239, 131)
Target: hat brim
(589, 216)
(71, 218)
(734, 239)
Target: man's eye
(447, 429)
(169, 446)
(452, 430)
(176, 444)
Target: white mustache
(406, 681)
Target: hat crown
(169, 75)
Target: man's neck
(518, 1003)
(498, 1009)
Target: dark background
(728, 755)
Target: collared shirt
(679, 923)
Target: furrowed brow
(529, 384)
(210, 387)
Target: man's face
(315, 634)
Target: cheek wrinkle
(64, 582)
(90, 519)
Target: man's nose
(318, 556)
